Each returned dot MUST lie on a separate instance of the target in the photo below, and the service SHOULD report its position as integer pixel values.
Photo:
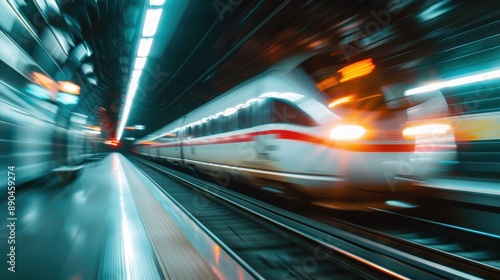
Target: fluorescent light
(151, 22)
(131, 91)
(140, 62)
(134, 80)
(126, 110)
(136, 74)
(133, 83)
(93, 132)
(455, 82)
(69, 87)
(156, 2)
(144, 46)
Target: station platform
(111, 222)
(469, 189)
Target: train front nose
(393, 159)
(392, 171)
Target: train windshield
(357, 86)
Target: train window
(224, 124)
(203, 129)
(224, 121)
(232, 121)
(190, 132)
(200, 129)
(284, 112)
(261, 112)
(244, 118)
(208, 125)
(196, 131)
(229, 123)
(216, 125)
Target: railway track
(467, 250)
(280, 244)
(267, 246)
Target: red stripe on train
(296, 136)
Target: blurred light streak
(426, 129)
(140, 62)
(477, 127)
(327, 83)
(217, 254)
(356, 70)
(340, 101)
(44, 81)
(144, 46)
(156, 2)
(400, 204)
(126, 229)
(93, 132)
(347, 132)
(136, 74)
(96, 128)
(68, 99)
(153, 17)
(69, 87)
(455, 82)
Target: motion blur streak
(426, 129)
(356, 70)
(456, 82)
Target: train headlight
(347, 132)
(425, 129)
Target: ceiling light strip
(150, 25)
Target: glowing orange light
(429, 129)
(112, 142)
(217, 253)
(69, 87)
(347, 132)
(327, 83)
(477, 127)
(368, 97)
(340, 101)
(44, 81)
(358, 69)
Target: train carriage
(314, 128)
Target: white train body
(274, 132)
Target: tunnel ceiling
(215, 45)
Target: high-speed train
(40, 131)
(37, 138)
(312, 125)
